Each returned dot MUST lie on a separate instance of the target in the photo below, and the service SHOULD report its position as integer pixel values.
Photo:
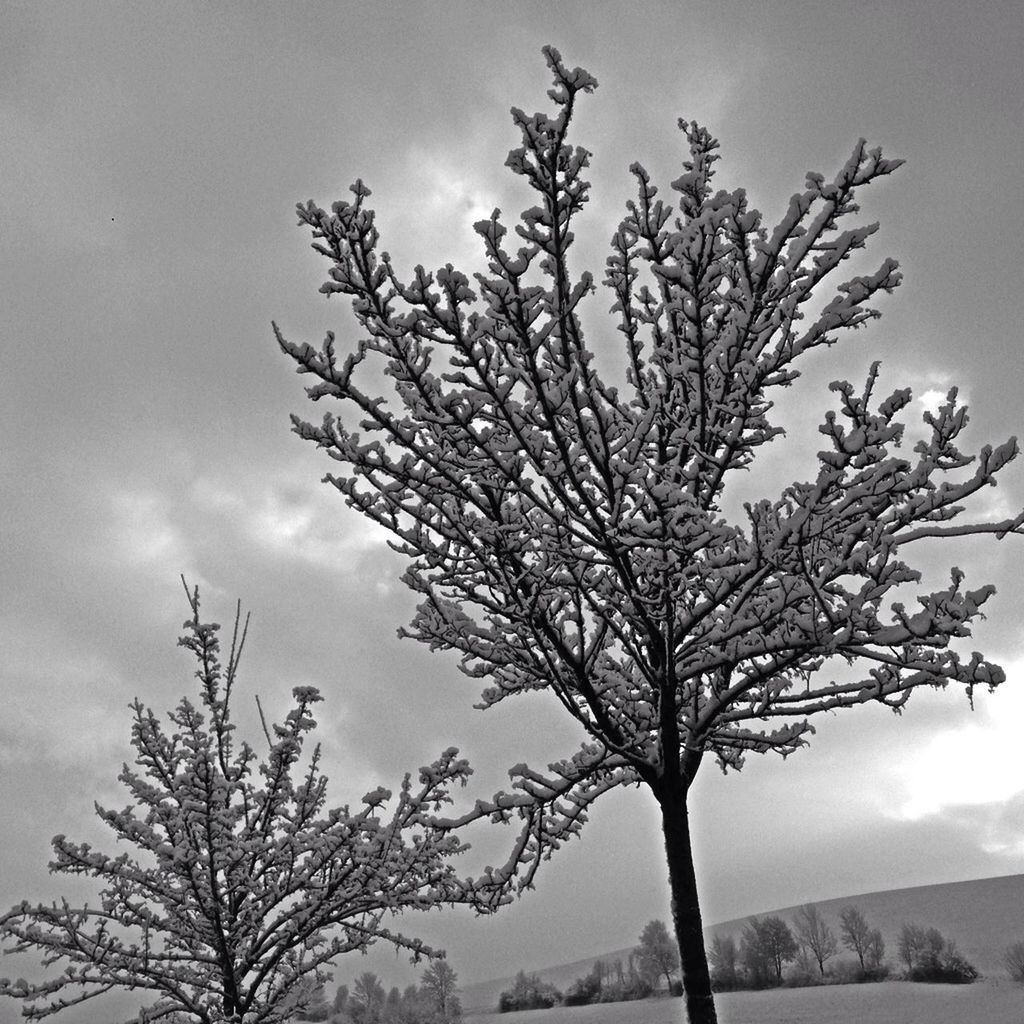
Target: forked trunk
(675, 824)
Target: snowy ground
(998, 1001)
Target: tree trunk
(230, 1000)
(675, 824)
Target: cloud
(288, 516)
(65, 684)
(1002, 828)
(223, 514)
(430, 202)
(932, 399)
(977, 764)
(930, 394)
(141, 529)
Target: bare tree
(723, 958)
(815, 935)
(863, 940)
(340, 1003)
(657, 954)
(874, 954)
(439, 985)
(920, 948)
(570, 536)
(366, 1004)
(243, 887)
(855, 932)
(767, 945)
(911, 942)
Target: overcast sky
(153, 155)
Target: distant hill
(982, 917)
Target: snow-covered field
(996, 1001)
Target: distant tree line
(528, 992)
(771, 952)
(433, 1001)
(653, 960)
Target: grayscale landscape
(511, 504)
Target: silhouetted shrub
(582, 992)
(603, 985)
(733, 984)
(952, 969)
(528, 993)
(930, 956)
(629, 989)
(804, 972)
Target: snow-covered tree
(572, 536)
(241, 887)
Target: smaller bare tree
(767, 946)
(875, 952)
(918, 946)
(657, 954)
(815, 935)
(723, 958)
(366, 1004)
(439, 986)
(855, 932)
(243, 889)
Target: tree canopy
(568, 535)
(583, 527)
